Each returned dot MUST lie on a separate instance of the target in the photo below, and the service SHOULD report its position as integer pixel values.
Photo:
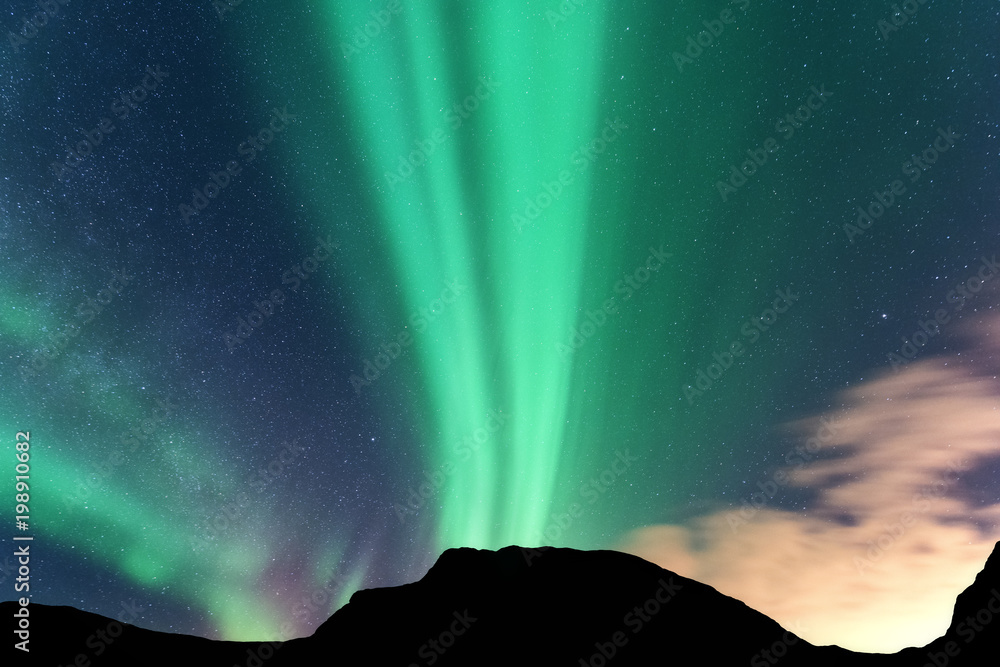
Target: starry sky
(295, 296)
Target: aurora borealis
(294, 297)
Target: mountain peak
(527, 606)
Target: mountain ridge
(528, 606)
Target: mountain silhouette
(519, 606)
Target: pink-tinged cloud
(900, 524)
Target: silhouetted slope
(67, 636)
(558, 606)
(973, 638)
(517, 606)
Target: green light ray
(433, 224)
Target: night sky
(295, 296)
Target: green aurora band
(460, 215)
(495, 347)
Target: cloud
(899, 524)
